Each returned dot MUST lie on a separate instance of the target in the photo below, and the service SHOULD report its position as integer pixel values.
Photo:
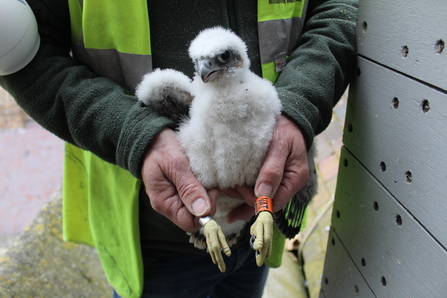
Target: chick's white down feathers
(213, 41)
(164, 83)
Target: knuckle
(187, 187)
(156, 204)
(179, 163)
(273, 171)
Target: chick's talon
(262, 230)
(216, 243)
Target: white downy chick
(231, 120)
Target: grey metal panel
(395, 255)
(386, 26)
(341, 278)
(402, 145)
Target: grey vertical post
(389, 224)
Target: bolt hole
(439, 46)
(333, 241)
(350, 128)
(408, 177)
(382, 166)
(398, 220)
(383, 281)
(363, 262)
(376, 206)
(356, 289)
(358, 72)
(364, 26)
(326, 281)
(425, 106)
(337, 214)
(395, 102)
(345, 162)
(404, 51)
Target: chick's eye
(224, 56)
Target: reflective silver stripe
(123, 68)
(278, 38)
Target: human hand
(284, 172)
(172, 188)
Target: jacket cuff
(140, 127)
(300, 114)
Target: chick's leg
(262, 230)
(216, 243)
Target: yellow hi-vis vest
(100, 200)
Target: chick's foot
(262, 233)
(216, 243)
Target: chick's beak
(208, 70)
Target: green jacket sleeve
(81, 108)
(319, 70)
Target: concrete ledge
(41, 264)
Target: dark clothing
(243, 278)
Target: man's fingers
(173, 189)
(191, 192)
(248, 194)
(272, 170)
(285, 169)
(242, 212)
(270, 175)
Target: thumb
(176, 169)
(271, 173)
(192, 193)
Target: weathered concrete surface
(287, 280)
(41, 264)
(11, 115)
(31, 163)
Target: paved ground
(31, 169)
(31, 163)
(314, 237)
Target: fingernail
(264, 190)
(199, 207)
